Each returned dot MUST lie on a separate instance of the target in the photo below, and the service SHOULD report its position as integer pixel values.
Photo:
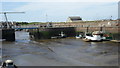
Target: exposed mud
(59, 52)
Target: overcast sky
(60, 11)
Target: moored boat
(61, 35)
(86, 40)
(1, 40)
(95, 36)
(77, 37)
(116, 41)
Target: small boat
(95, 36)
(77, 37)
(86, 40)
(106, 37)
(1, 40)
(55, 37)
(61, 35)
(116, 41)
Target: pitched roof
(75, 18)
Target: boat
(116, 41)
(1, 40)
(86, 40)
(77, 37)
(61, 35)
(95, 36)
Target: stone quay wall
(7, 34)
(47, 33)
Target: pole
(7, 25)
(5, 17)
(6, 20)
(46, 18)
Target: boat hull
(88, 40)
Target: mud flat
(60, 52)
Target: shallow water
(59, 52)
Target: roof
(75, 18)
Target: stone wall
(8, 34)
(86, 24)
(105, 29)
(47, 33)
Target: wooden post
(101, 28)
(87, 29)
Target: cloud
(1, 10)
(59, 11)
(34, 6)
(59, 0)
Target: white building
(74, 19)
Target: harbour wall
(47, 33)
(7, 34)
(70, 29)
(104, 29)
(110, 27)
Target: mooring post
(87, 29)
(101, 28)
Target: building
(74, 19)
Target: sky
(59, 11)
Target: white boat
(116, 41)
(77, 37)
(95, 36)
(61, 35)
(86, 40)
(1, 40)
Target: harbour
(59, 52)
(66, 34)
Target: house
(74, 19)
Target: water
(59, 52)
